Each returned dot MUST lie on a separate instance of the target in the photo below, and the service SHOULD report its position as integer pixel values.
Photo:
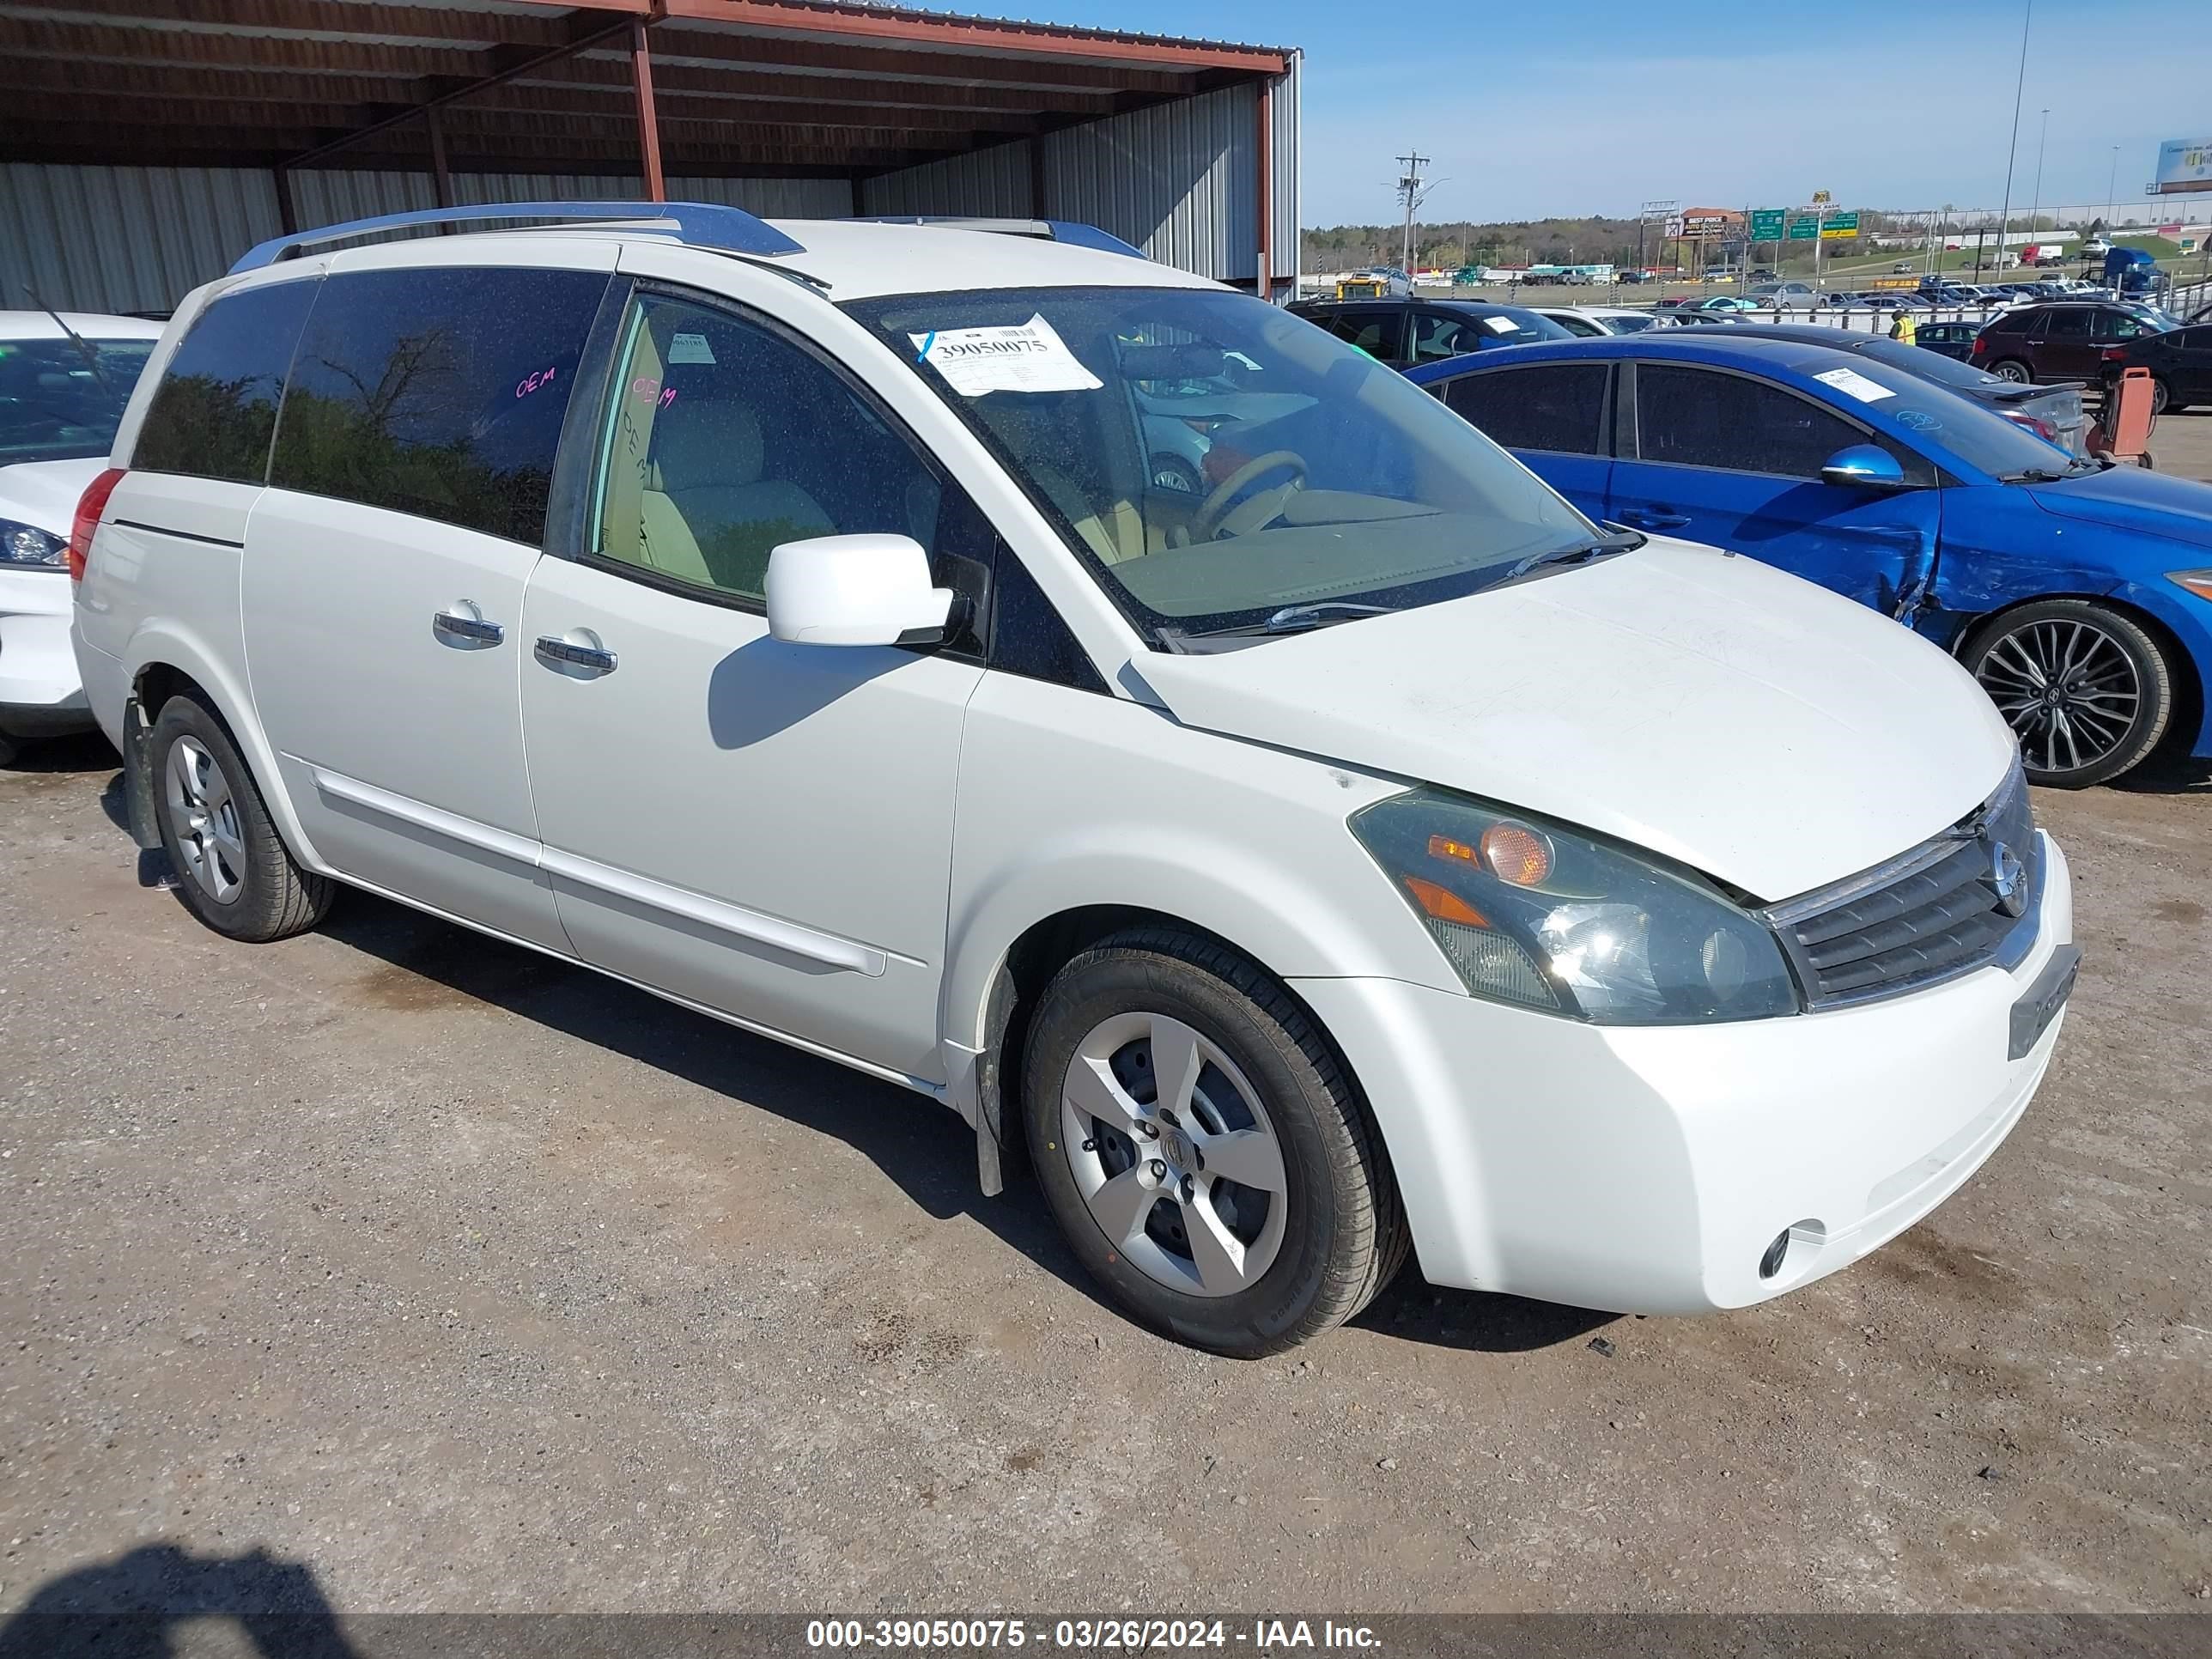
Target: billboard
(2183, 165)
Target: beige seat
(707, 514)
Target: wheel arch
(165, 662)
(1017, 982)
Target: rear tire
(2011, 368)
(233, 869)
(2161, 398)
(2088, 691)
(1243, 1266)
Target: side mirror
(1864, 466)
(855, 589)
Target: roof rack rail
(696, 224)
(1070, 231)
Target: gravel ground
(457, 1279)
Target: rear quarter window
(214, 411)
(438, 392)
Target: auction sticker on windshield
(1015, 357)
(1852, 383)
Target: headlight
(2198, 583)
(26, 544)
(1531, 914)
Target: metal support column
(1266, 195)
(287, 215)
(648, 125)
(442, 178)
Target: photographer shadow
(131, 1608)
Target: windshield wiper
(2035, 475)
(1291, 619)
(1581, 552)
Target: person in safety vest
(1901, 327)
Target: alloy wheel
(1175, 1155)
(204, 816)
(2070, 692)
(2014, 372)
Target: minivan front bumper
(1684, 1169)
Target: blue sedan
(2078, 594)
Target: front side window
(437, 392)
(215, 409)
(724, 438)
(61, 400)
(1321, 475)
(1375, 332)
(1560, 407)
(1697, 417)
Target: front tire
(2088, 691)
(1203, 1151)
(2011, 368)
(233, 869)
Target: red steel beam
(1005, 39)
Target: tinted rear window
(214, 411)
(1550, 406)
(438, 392)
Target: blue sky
(1533, 109)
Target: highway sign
(1766, 224)
(1804, 229)
(1840, 224)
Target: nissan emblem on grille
(2007, 879)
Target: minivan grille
(1928, 915)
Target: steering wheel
(1206, 523)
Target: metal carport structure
(143, 144)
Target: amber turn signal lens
(1516, 854)
(1444, 904)
(2198, 583)
(1443, 847)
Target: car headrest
(706, 443)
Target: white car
(62, 382)
(1364, 854)
(1590, 320)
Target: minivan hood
(45, 493)
(1702, 705)
(2130, 498)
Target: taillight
(89, 506)
(1980, 346)
(2041, 428)
(2114, 354)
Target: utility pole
(2012, 150)
(2111, 184)
(1409, 190)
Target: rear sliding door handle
(568, 657)
(464, 625)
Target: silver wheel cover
(1175, 1155)
(205, 818)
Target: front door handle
(464, 625)
(1645, 519)
(567, 656)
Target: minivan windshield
(55, 405)
(1215, 460)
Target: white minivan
(1359, 853)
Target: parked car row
(776, 645)
(2072, 589)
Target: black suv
(1403, 332)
